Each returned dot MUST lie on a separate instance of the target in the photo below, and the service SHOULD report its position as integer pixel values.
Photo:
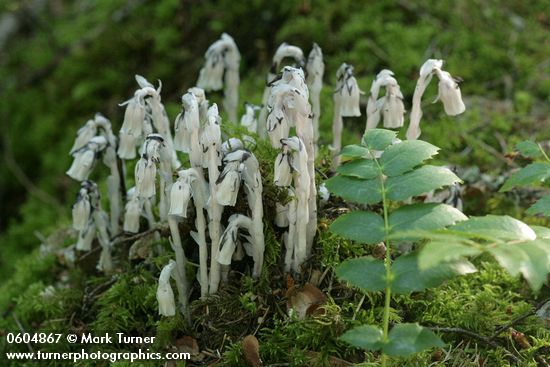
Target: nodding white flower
(315, 69)
(202, 101)
(86, 237)
(179, 197)
(278, 127)
(222, 67)
(82, 210)
(324, 194)
(229, 238)
(84, 158)
(211, 74)
(211, 133)
(228, 183)
(281, 215)
(231, 145)
(134, 115)
(294, 77)
(393, 109)
(165, 295)
(250, 119)
(132, 212)
(428, 67)
(284, 51)
(127, 147)
(287, 51)
(146, 171)
(84, 135)
(283, 169)
(299, 163)
(182, 135)
(449, 94)
(347, 91)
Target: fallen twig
(474, 335)
(519, 319)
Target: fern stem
(387, 263)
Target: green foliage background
(69, 59)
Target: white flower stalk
(113, 180)
(302, 188)
(223, 60)
(251, 176)
(101, 223)
(165, 295)
(315, 69)
(281, 215)
(449, 93)
(290, 240)
(84, 135)
(101, 220)
(346, 104)
(390, 107)
(85, 157)
(211, 144)
(199, 192)
(180, 195)
(284, 51)
(132, 213)
(250, 119)
(179, 272)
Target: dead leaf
(251, 350)
(306, 300)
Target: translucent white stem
(337, 126)
(181, 262)
(214, 224)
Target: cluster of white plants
(220, 171)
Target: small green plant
(381, 170)
(535, 173)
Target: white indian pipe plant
(211, 144)
(297, 243)
(288, 107)
(191, 182)
(346, 104)
(165, 294)
(390, 107)
(448, 92)
(222, 69)
(284, 51)
(249, 170)
(250, 120)
(315, 69)
(91, 222)
(88, 147)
